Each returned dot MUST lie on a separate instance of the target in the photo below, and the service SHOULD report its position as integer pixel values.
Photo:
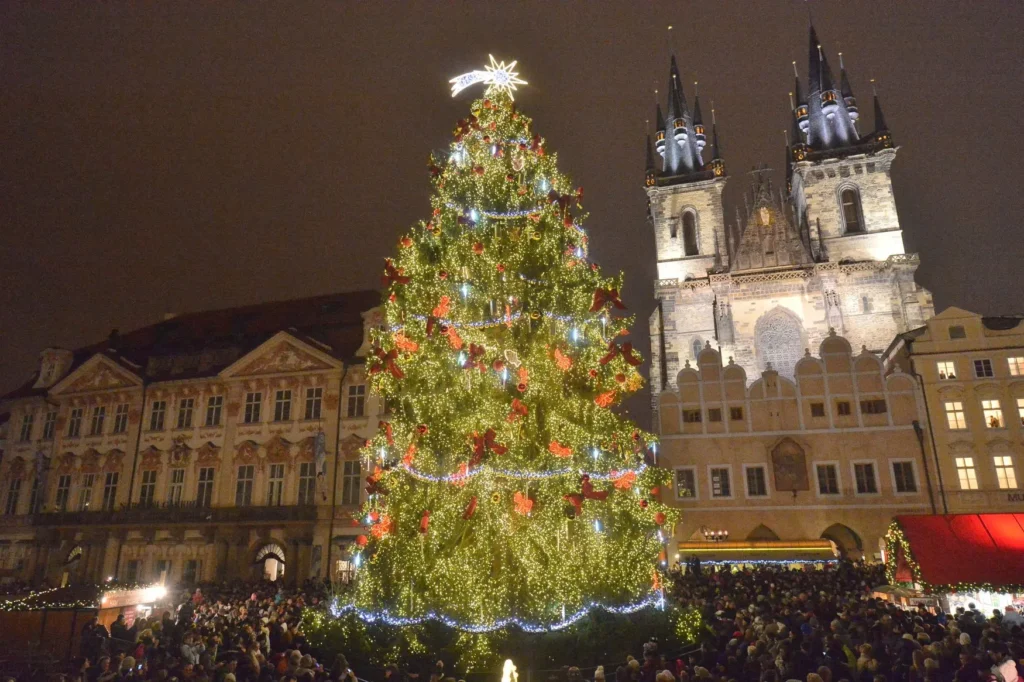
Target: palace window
(121, 418)
(690, 234)
(757, 482)
(818, 409)
(147, 492)
(85, 491)
(253, 403)
(356, 400)
(350, 482)
(99, 415)
(314, 401)
(872, 407)
(965, 473)
(110, 491)
(903, 477)
(283, 406)
(946, 369)
(133, 570)
(275, 485)
(156, 416)
(1016, 366)
(864, 475)
(1005, 474)
(691, 416)
(26, 427)
(736, 414)
(828, 479)
(35, 496)
(243, 485)
(714, 414)
(49, 425)
(955, 418)
(983, 368)
(185, 408)
(686, 483)
(75, 423)
(13, 493)
(214, 406)
(307, 482)
(993, 412)
(204, 487)
(63, 492)
(720, 484)
(849, 200)
(843, 408)
(176, 487)
(191, 573)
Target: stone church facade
(826, 253)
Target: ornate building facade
(780, 464)
(212, 445)
(826, 253)
(971, 373)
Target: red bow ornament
(625, 350)
(602, 296)
(481, 444)
(589, 492)
(387, 361)
(475, 358)
(387, 432)
(519, 409)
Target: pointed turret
(676, 104)
(651, 173)
(698, 121)
(659, 134)
(882, 135)
(676, 139)
(847, 91)
(798, 102)
(717, 162)
(829, 125)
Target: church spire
(829, 124)
(651, 172)
(882, 135)
(717, 163)
(847, 92)
(679, 139)
(698, 121)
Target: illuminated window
(983, 368)
(686, 483)
(253, 404)
(955, 418)
(121, 418)
(1004, 471)
(213, 409)
(965, 473)
(75, 423)
(947, 369)
(690, 234)
(850, 202)
(993, 412)
(1016, 366)
(185, 409)
(283, 406)
(1020, 410)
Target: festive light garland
(521, 474)
(657, 600)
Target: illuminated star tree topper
(498, 76)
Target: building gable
(98, 373)
(282, 353)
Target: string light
(522, 475)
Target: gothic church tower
(825, 254)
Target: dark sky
(179, 156)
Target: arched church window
(779, 338)
(697, 346)
(690, 234)
(849, 201)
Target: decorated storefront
(961, 558)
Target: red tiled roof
(333, 320)
(966, 548)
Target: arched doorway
(847, 541)
(72, 564)
(270, 559)
(763, 532)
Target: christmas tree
(503, 488)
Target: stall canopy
(957, 552)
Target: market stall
(961, 558)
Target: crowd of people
(761, 624)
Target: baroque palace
(209, 446)
(794, 422)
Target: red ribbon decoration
(481, 444)
(425, 521)
(602, 296)
(589, 492)
(387, 361)
(626, 351)
(475, 358)
(387, 432)
(392, 274)
(519, 409)
(470, 509)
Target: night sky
(173, 157)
